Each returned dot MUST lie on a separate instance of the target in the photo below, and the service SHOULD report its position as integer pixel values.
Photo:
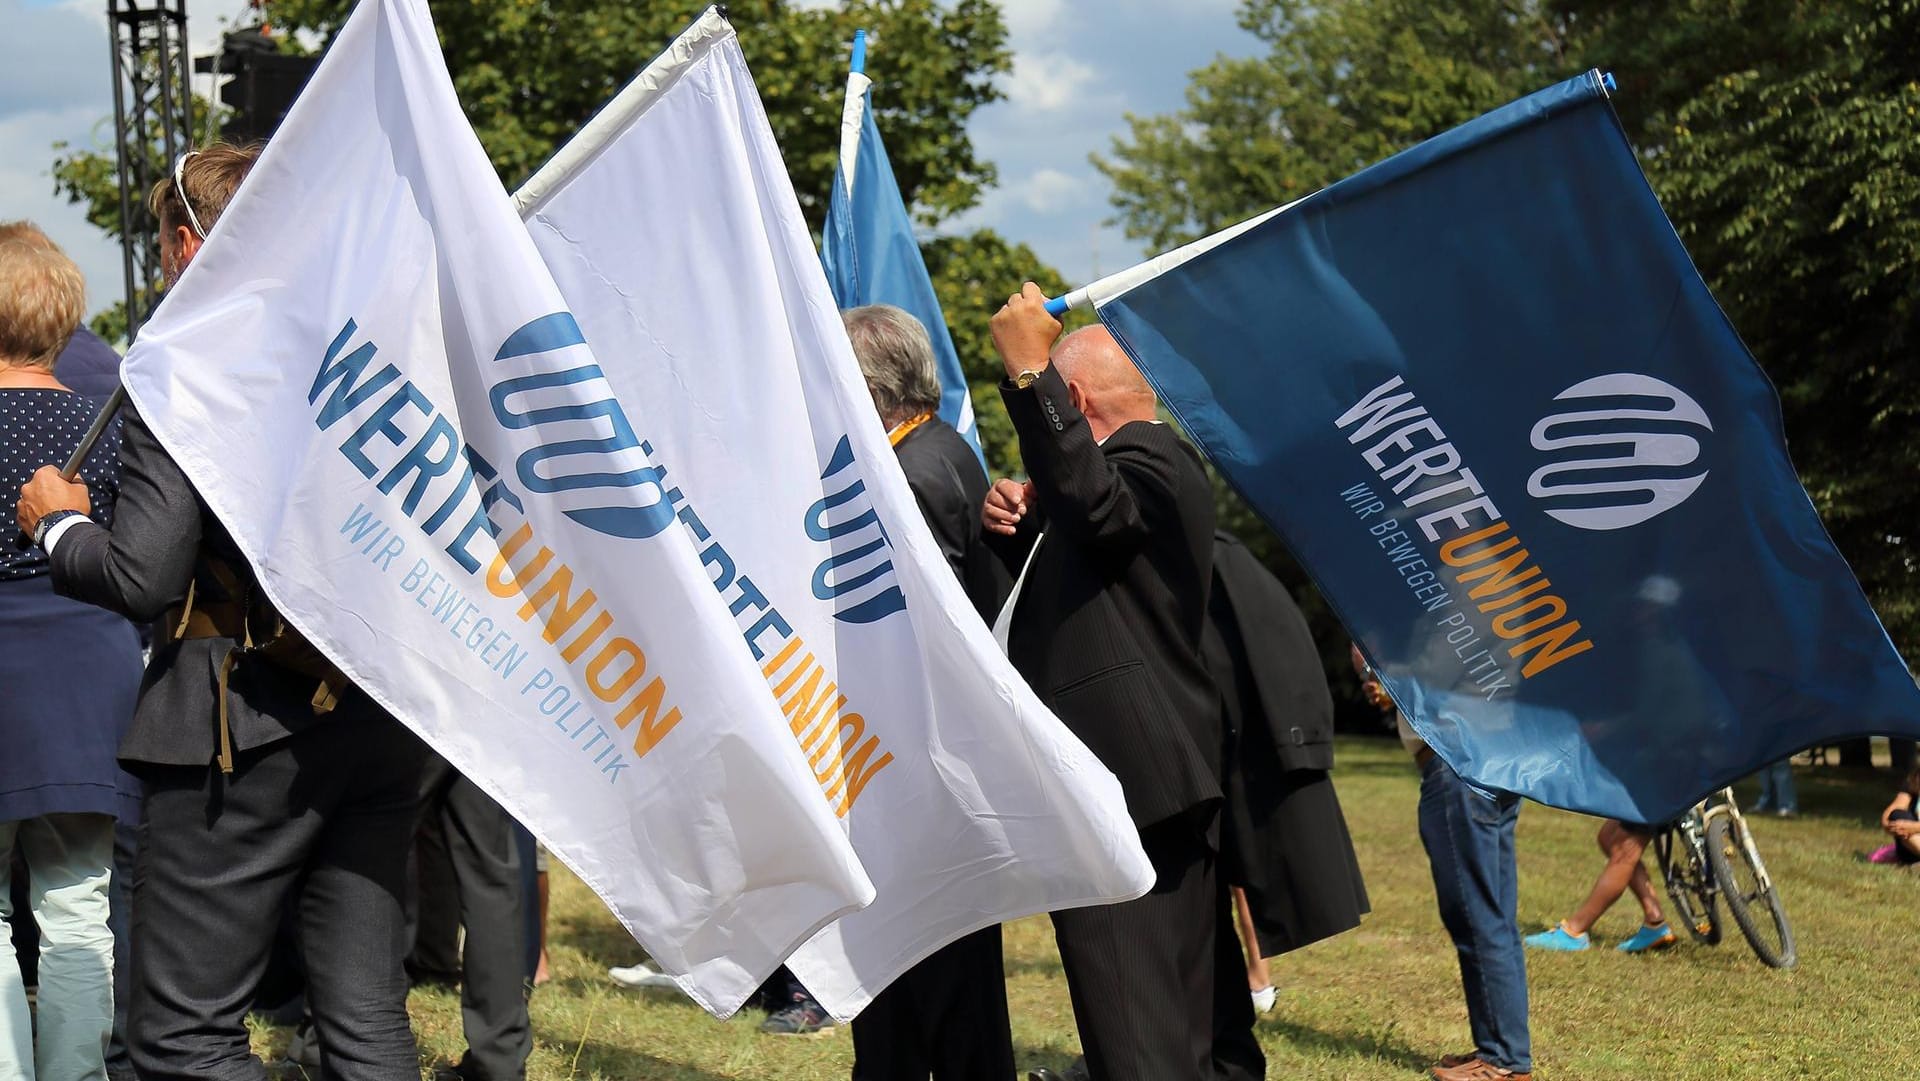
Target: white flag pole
(1114, 284)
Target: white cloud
(1079, 67)
(26, 191)
(1048, 81)
(1050, 190)
(56, 85)
(1027, 19)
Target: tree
(1784, 141)
(1782, 137)
(973, 275)
(1342, 86)
(530, 72)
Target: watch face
(1026, 379)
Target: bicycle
(1709, 853)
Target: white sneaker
(1263, 999)
(643, 978)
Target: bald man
(1114, 534)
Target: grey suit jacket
(161, 538)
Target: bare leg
(541, 974)
(1642, 885)
(1623, 848)
(1911, 843)
(1257, 975)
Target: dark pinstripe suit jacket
(161, 535)
(1108, 627)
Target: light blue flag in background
(869, 250)
(1484, 396)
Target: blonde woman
(71, 673)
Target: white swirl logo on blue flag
(1594, 581)
(1624, 464)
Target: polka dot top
(41, 426)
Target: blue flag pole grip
(859, 63)
(1606, 80)
(1057, 306)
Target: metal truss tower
(152, 122)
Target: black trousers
(1236, 1051)
(323, 817)
(1144, 975)
(483, 847)
(433, 906)
(945, 1017)
(126, 851)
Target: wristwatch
(48, 521)
(1026, 378)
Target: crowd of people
(197, 794)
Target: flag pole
(94, 431)
(859, 64)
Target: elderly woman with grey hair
(896, 357)
(71, 673)
(947, 1016)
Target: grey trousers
(322, 820)
(482, 843)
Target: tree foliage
(530, 72)
(1342, 85)
(1782, 136)
(1793, 175)
(973, 274)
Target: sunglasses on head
(180, 189)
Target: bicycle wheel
(1740, 876)
(1689, 886)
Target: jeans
(69, 862)
(1468, 835)
(1776, 788)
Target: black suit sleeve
(1099, 497)
(145, 562)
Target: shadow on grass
(606, 1060)
(1047, 964)
(1382, 1047)
(1400, 766)
(1372, 1047)
(600, 939)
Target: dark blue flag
(1484, 396)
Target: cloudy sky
(1080, 66)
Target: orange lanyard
(905, 428)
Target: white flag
(675, 236)
(371, 378)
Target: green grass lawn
(1382, 1001)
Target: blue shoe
(1648, 938)
(1557, 939)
